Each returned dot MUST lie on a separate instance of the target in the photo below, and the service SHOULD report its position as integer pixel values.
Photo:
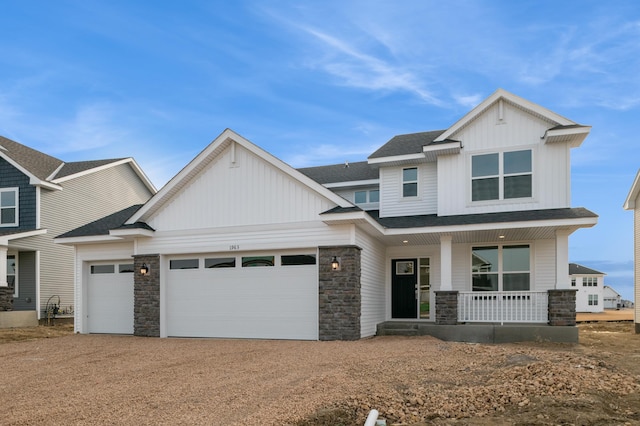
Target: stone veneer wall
(339, 294)
(6, 298)
(562, 307)
(146, 289)
(446, 307)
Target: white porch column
(446, 262)
(3, 266)
(562, 260)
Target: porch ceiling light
(144, 269)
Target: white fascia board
(352, 217)
(630, 202)
(92, 239)
(396, 158)
(44, 184)
(349, 184)
(4, 240)
(131, 233)
(510, 97)
(559, 223)
(225, 139)
(575, 135)
(442, 147)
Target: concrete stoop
(18, 319)
(481, 333)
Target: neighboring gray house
(612, 299)
(456, 233)
(589, 286)
(42, 197)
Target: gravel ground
(94, 379)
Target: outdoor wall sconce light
(144, 269)
(335, 264)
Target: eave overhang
(92, 239)
(429, 154)
(131, 233)
(630, 202)
(4, 239)
(573, 135)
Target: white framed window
(502, 175)
(9, 207)
(410, 182)
(593, 300)
(501, 268)
(363, 197)
(12, 273)
(573, 282)
(589, 282)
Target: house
(41, 197)
(633, 203)
(611, 298)
(589, 284)
(454, 232)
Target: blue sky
(323, 82)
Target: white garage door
(110, 298)
(266, 296)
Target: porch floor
(481, 333)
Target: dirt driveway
(94, 379)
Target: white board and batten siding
(372, 284)
(249, 191)
(393, 204)
(518, 130)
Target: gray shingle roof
(411, 143)
(360, 170)
(102, 226)
(81, 166)
(42, 165)
(422, 221)
(575, 269)
(37, 163)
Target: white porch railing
(503, 306)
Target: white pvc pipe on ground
(371, 418)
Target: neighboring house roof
(575, 269)
(74, 167)
(422, 221)
(104, 225)
(49, 171)
(630, 202)
(411, 143)
(35, 162)
(610, 292)
(347, 172)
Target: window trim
(16, 222)
(501, 176)
(367, 196)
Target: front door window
(410, 288)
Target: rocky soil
(79, 379)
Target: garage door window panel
(125, 268)
(184, 264)
(103, 269)
(253, 261)
(298, 259)
(220, 262)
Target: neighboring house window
(410, 182)
(9, 207)
(501, 176)
(573, 282)
(12, 272)
(593, 300)
(362, 197)
(501, 268)
(589, 281)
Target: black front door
(403, 288)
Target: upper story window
(363, 197)
(501, 176)
(501, 268)
(589, 281)
(410, 182)
(9, 207)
